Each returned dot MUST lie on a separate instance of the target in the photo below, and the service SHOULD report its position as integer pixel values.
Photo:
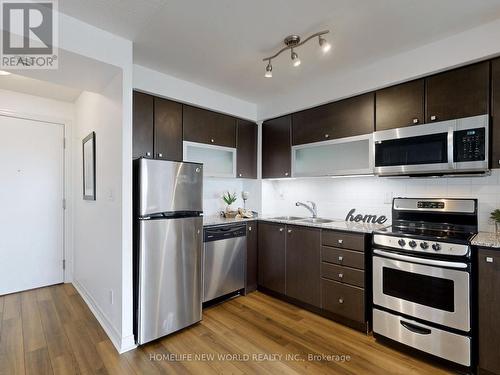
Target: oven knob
(401, 242)
(412, 243)
(436, 247)
(424, 245)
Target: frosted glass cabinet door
(218, 161)
(347, 156)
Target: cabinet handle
(489, 260)
(327, 135)
(341, 300)
(249, 229)
(286, 174)
(341, 258)
(281, 229)
(240, 175)
(340, 241)
(433, 118)
(148, 153)
(289, 231)
(212, 140)
(341, 275)
(160, 155)
(415, 120)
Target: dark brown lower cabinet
(252, 241)
(489, 310)
(302, 264)
(343, 280)
(343, 300)
(272, 255)
(299, 262)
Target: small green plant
(229, 198)
(495, 215)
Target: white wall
(372, 195)
(169, 87)
(83, 39)
(98, 241)
(472, 45)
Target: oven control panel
(422, 246)
(469, 145)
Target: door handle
(415, 329)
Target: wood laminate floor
(52, 331)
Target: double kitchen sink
(313, 220)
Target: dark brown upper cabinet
(458, 93)
(143, 125)
(209, 127)
(303, 264)
(345, 118)
(495, 111)
(271, 257)
(399, 106)
(246, 149)
(276, 148)
(167, 129)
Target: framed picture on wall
(89, 192)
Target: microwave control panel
(469, 145)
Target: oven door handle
(416, 329)
(431, 262)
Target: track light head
(295, 59)
(269, 70)
(323, 43)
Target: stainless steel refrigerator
(168, 233)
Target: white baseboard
(122, 344)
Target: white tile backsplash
(214, 188)
(336, 196)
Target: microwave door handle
(415, 329)
(430, 262)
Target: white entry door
(31, 211)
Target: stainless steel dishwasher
(224, 260)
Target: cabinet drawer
(343, 274)
(343, 257)
(345, 300)
(344, 240)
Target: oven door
(433, 290)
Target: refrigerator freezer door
(170, 281)
(166, 186)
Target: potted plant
(495, 216)
(229, 199)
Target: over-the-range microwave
(446, 147)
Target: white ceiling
(220, 43)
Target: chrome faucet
(312, 208)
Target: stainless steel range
(422, 276)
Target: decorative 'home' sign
(374, 219)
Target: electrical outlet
(111, 297)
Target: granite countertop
(337, 224)
(486, 239)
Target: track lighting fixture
(269, 70)
(295, 59)
(292, 42)
(325, 46)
